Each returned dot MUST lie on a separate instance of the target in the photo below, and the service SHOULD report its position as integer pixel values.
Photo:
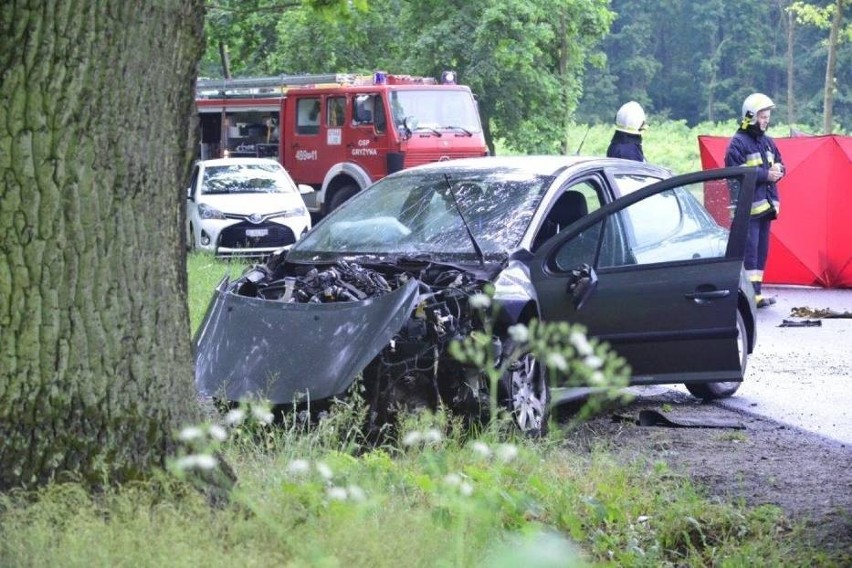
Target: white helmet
(630, 118)
(753, 104)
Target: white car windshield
(437, 214)
(246, 178)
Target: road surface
(802, 376)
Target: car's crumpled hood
(250, 348)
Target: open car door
(655, 276)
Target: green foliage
(204, 272)
(434, 498)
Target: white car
(244, 207)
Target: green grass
(204, 272)
(313, 499)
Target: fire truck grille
(249, 235)
(412, 159)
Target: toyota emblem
(444, 159)
(255, 218)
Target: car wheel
(710, 391)
(527, 396)
(341, 195)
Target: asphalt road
(802, 376)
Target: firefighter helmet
(753, 104)
(630, 118)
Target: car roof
(237, 161)
(537, 164)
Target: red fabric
(811, 242)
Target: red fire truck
(337, 132)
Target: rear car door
(656, 277)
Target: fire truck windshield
(434, 109)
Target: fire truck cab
(339, 133)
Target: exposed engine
(414, 370)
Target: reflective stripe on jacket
(751, 147)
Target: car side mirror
(582, 282)
(305, 189)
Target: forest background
(543, 68)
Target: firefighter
(750, 146)
(627, 140)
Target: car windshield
(436, 109)
(417, 213)
(245, 178)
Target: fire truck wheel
(342, 195)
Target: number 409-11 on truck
(339, 133)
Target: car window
(307, 115)
(628, 183)
(579, 250)
(193, 181)
(335, 111)
(591, 191)
(665, 227)
(246, 178)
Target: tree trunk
(95, 146)
(828, 100)
(791, 113)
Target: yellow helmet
(753, 104)
(630, 118)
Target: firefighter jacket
(751, 147)
(627, 146)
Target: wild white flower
(217, 433)
(262, 414)
(190, 433)
(580, 343)
(480, 301)
(412, 438)
(453, 479)
(337, 493)
(206, 461)
(356, 493)
(556, 361)
(481, 449)
(235, 416)
(597, 378)
(519, 333)
(593, 362)
(507, 452)
(324, 471)
(466, 489)
(298, 467)
(432, 435)
(202, 461)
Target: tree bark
(828, 100)
(95, 145)
(791, 106)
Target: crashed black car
(383, 285)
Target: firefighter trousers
(757, 249)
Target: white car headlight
(298, 211)
(207, 212)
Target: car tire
(711, 391)
(526, 394)
(341, 195)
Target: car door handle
(708, 295)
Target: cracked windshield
(449, 214)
